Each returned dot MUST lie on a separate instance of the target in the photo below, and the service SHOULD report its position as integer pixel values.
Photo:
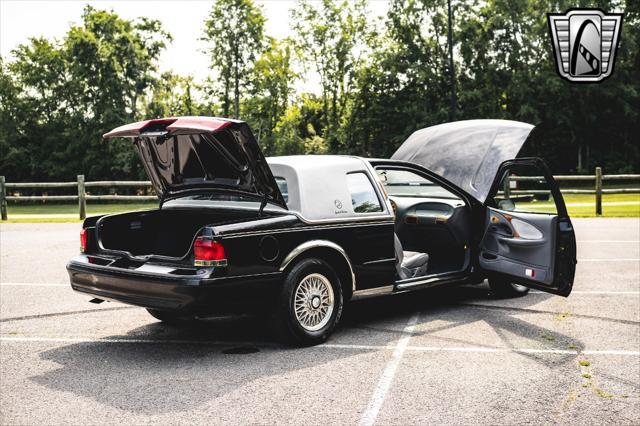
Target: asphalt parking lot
(453, 356)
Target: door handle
(520, 242)
(502, 230)
(411, 220)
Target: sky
(22, 19)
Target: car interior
(432, 224)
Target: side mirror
(507, 205)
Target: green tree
(508, 71)
(174, 95)
(378, 83)
(234, 31)
(331, 37)
(60, 97)
(171, 96)
(296, 131)
(504, 69)
(404, 86)
(272, 85)
(114, 61)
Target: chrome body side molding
(308, 245)
(373, 292)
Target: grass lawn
(583, 205)
(579, 205)
(70, 209)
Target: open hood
(466, 153)
(189, 154)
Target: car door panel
(535, 249)
(520, 244)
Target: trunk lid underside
(198, 154)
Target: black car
(299, 236)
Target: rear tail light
(83, 240)
(207, 252)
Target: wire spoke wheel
(313, 302)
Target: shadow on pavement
(217, 356)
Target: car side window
(283, 187)
(523, 188)
(363, 196)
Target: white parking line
(617, 352)
(388, 374)
(635, 259)
(34, 285)
(591, 292)
(608, 241)
(371, 413)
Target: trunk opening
(160, 232)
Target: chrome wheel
(313, 302)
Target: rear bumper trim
(166, 291)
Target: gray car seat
(409, 264)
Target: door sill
(429, 280)
(373, 292)
(411, 284)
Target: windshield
(404, 183)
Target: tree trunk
(134, 103)
(587, 157)
(225, 101)
(454, 101)
(579, 158)
(236, 99)
(189, 102)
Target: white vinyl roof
(317, 186)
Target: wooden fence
(82, 197)
(598, 178)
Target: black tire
(169, 317)
(504, 288)
(284, 320)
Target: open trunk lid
(466, 153)
(198, 154)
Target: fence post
(598, 191)
(82, 201)
(3, 199)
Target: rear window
(283, 187)
(363, 196)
